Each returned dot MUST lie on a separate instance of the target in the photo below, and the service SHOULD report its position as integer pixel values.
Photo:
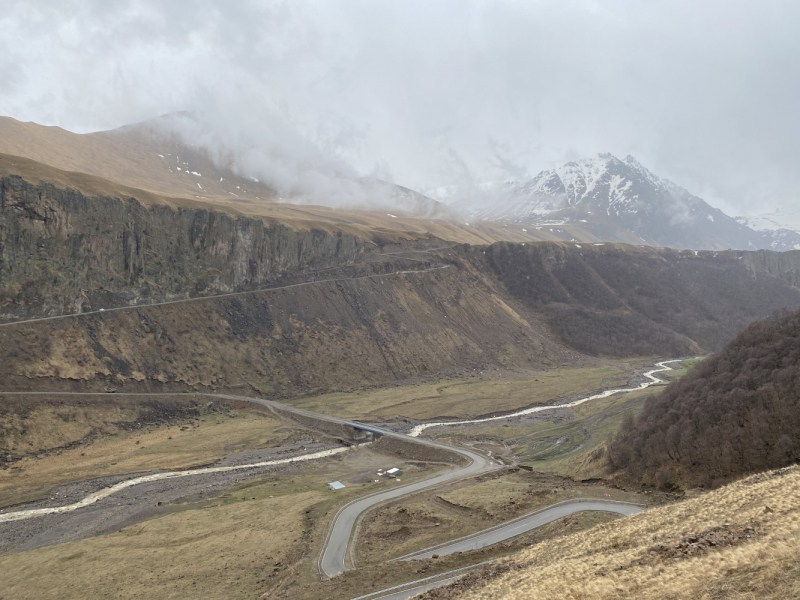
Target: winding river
(94, 497)
(650, 380)
(105, 492)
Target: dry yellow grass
(466, 398)
(219, 552)
(250, 540)
(166, 447)
(424, 520)
(615, 560)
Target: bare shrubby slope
(740, 541)
(736, 413)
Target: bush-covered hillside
(616, 300)
(738, 412)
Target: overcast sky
(430, 93)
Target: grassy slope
(117, 451)
(251, 539)
(136, 160)
(467, 398)
(623, 559)
(575, 448)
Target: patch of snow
(393, 216)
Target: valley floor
(223, 523)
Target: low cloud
(308, 94)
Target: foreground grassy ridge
(640, 557)
(470, 397)
(188, 443)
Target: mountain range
(619, 200)
(594, 200)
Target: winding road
(226, 295)
(523, 524)
(332, 559)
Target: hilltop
(619, 200)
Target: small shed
(335, 485)
(395, 472)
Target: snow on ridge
(774, 221)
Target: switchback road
(520, 525)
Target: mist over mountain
(617, 200)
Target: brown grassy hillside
(627, 300)
(358, 312)
(741, 541)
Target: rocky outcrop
(329, 311)
(779, 265)
(61, 252)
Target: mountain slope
(620, 200)
(738, 542)
(780, 228)
(736, 413)
(341, 311)
(144, 156)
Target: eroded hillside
(280, 311)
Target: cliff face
(339, 312)
(61, 252)
(780, 265)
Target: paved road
(335, 549)
(411, 592)
(332, 558)
(334, 552)
(524, 524)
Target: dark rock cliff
(429, 313)
(61, 252)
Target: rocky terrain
(619, 200)
(315, 311)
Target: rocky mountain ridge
(286, 312)
(612, 197)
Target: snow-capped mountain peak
(620, 199)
